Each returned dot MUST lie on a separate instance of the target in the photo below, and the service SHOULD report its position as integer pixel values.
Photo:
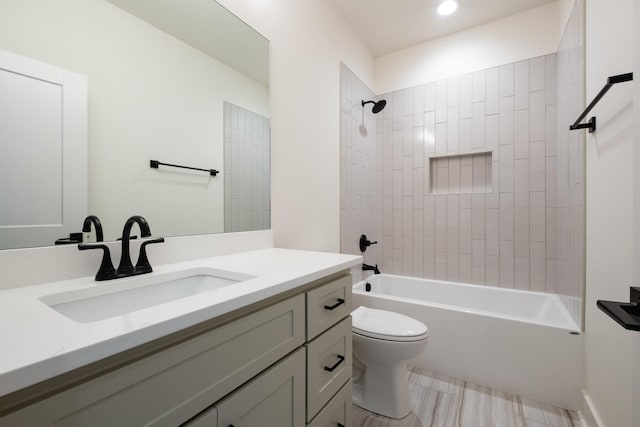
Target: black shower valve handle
(365, 243)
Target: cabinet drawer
(171, 386)
(274, 398)
(337, 412)
(328, 304)
(329, 364)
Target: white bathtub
(519, 342)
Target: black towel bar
(591, 124)
(154, 164)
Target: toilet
(383, 342)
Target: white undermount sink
(122, 296)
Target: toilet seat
(387, 325)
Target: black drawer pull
(340, 425)
(333, 368)
(334, 306)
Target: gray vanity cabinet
(257, 368)
(274, 398)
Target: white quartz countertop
(39, 343)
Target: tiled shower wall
(247, 187)
(507, 234)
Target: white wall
(521, 36)
(610, 225)
(308, 41)
(150, 97)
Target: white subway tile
(478, 262)
(418, 105)
(538, 216)
(551, 78)
(407, 176)
(479, 174)
(478, 125)
(429, 138)
(522, 273)
(465, 268)
(398, 141)
(493, 91)
(441, 230)
(397, 228)
(537, 166)
(492, 137)
(506, 264)
(407, 216)
(465, 231)
(507, 80)
(521, 135)
(407, 98)
(430, 97)
(551, 130)
(478, 86)
(537, 278)
(492, 231)
(441, 138)
(466, 179)
(521, 228)
(418, 146)
(407, 136)
(551, 284)
(478, 216)
(453, 92)
(506, 169)
(506, 120)
(453, 261)
(454, 175)
(397, 189)
(537, 73)
(538, 116)
(552, 232)
(506, 216)
(492, 272)
(466, 88)
(466, 135)
(521, 101)
(521, 183)
(465, 201)
(418, 188)
(387, 216)
(441, 101)
(453, 141)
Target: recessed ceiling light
(447, 7)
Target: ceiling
(388, 25)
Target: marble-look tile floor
(441, 401)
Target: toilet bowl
(383, 342)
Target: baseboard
(589, 412)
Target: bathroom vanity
(273, 349)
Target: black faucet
(125, 269)
(366, 267)
(97, 226)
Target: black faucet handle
(143, 266)
(364, 243)
(106, 270)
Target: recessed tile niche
(461, 173)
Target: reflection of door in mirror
(43, 126)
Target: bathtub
(520, 342)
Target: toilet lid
(387, 325)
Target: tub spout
(366, 267)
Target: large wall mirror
(178, 81)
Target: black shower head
(377, 106)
